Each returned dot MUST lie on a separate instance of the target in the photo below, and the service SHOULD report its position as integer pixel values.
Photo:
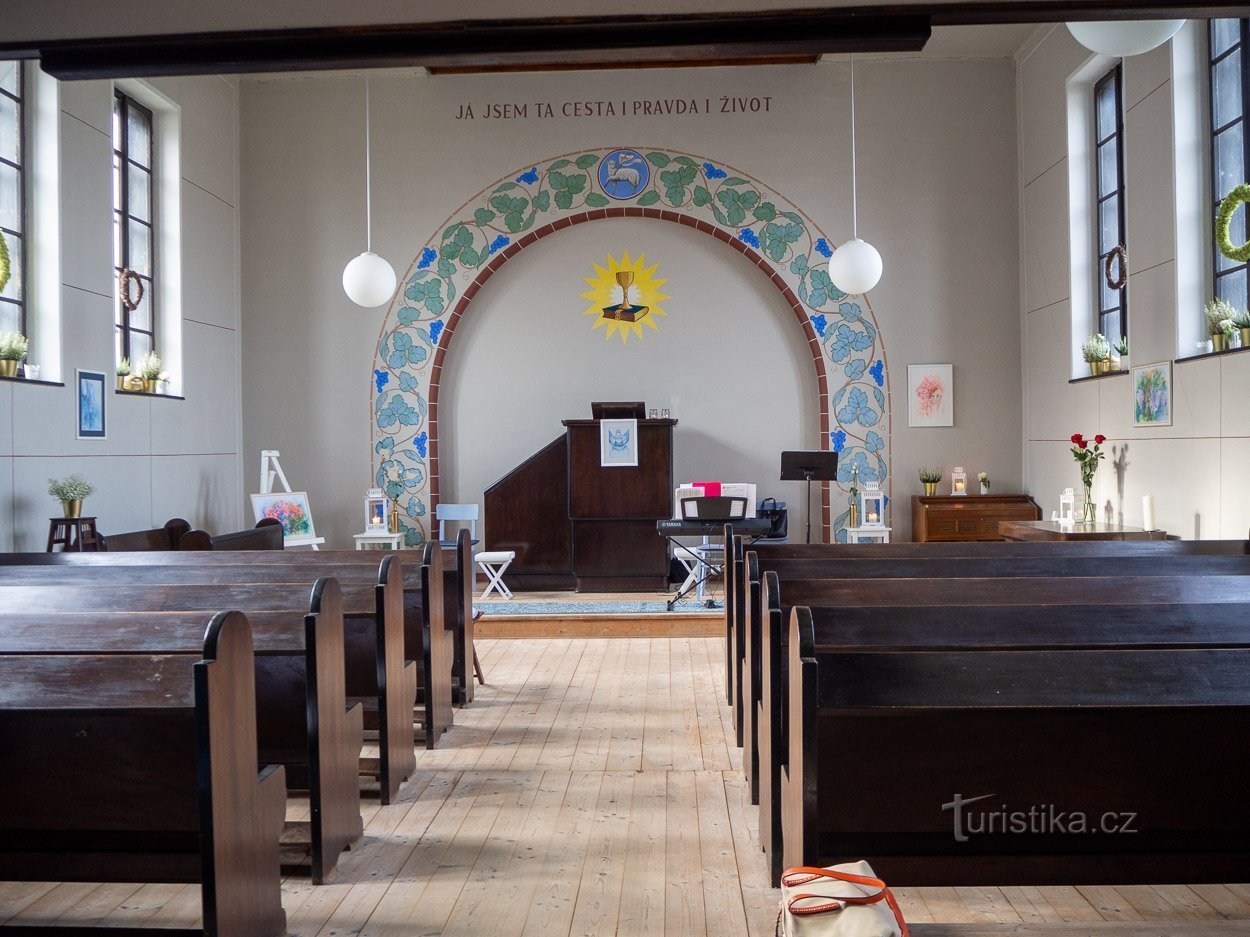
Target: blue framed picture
(91, 386)
(618, 443)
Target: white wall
(937, 196)
(1195, 468)
(162, 457)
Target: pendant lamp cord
(368, 175)
(854, 178)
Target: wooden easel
(270, 468)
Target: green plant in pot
(13, 348)
(70, 491)
(1096, 351)
(1241, 322)
(123, 372)
(930, 478)
(1120, 347)
(151, 371)
(1219, 316)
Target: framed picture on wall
(930, 395)
(618, 443)
(91, 386)
(290, 508)
(1152, 394)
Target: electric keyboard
(693, 527)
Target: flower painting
(930, 395)
(1152, 394)
(290, 509)
(91, 404)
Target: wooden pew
(377, 673)
(141, 769)
(780, 596)
(266, 535)
(882, 739)
(302, 719)
(426, 641)
(158, 538)
(458, 578)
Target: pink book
(710, 489)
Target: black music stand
(809, 466)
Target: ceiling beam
(573, 42)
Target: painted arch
(848, 351)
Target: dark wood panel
(527, 511)
(642, 491)
(967, 517)
(619, 549)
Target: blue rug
(521, 607)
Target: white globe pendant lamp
(1124, 38)
(855, 266)
(368, 280)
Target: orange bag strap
(801, 875)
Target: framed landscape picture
(618, 443)
(290, 508)
(91, 385)
(930, 395)
(1152, 394)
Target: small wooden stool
(73, 534)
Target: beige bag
(845, 900)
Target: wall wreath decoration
(124, 281)
(4, 261)
(1224, 220)
(1117, 258)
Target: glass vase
(1089, 512)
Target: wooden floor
(594, 789)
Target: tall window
(1230, 146)
(134, 237)
(12, 196)
(1109, 169)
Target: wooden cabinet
(967, 517)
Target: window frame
(1115, 78)
(1221, 268)
(122, 218)
(17, 251)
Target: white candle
(1148, 512)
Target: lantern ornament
(872, 513)
(375, 512)
(959, 481)
(1067, 507)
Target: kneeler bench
(143, 769)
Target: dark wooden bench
(457, 590)
(884, 741)
(1059, 600)
(266, 535)
(128, 769)
(377, 674)
(302, 720)
(158, 538)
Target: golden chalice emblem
(626, 311)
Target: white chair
(455, 512)
(492, 562)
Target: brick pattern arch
(502, 220)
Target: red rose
(1082, 444)
(1099, 439)
(1077, 440)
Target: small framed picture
(618, 443)
(930, 395)
(91, 385)
(290, 508)
(1152, 394)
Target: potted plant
(1096, 351)
(1241, 322)
(70, 492)
(1088, 456)
(150, 371)
(1120, 347)
(930, 477)
(1219, 315)
(123, 372)
(984, 479)
(13, 348)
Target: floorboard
(594, 788)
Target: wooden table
(1053, 530)
(967, 517)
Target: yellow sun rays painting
(624, 296)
